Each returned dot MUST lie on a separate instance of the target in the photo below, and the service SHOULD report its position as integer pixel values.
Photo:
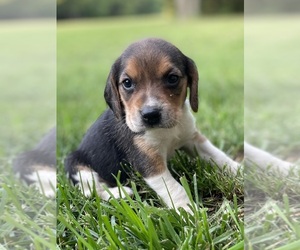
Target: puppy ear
(111, 92)
(193, 83)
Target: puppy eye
(127, 84)
(172, 79)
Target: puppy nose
(151, 115)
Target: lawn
(86, 49)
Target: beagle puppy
(147, 120)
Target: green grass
(142, 222)
(86, 50)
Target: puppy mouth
(144, 129)
(165, 125)
(142, 126)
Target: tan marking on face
(164, 65)
(132, 109)
(175, 97)
(156, 160)
(132, 68)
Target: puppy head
(148, 85)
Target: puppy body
(147, 120)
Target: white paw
(116, 192)
(88, 179)
(233, 167)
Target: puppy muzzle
(151, 116)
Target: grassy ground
(86, 51)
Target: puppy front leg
(170, 191)
(151, 162)
(206, 150)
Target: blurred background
(272, 123)
(28, 111)
(178, 8)
(101, 8)
(10, 9)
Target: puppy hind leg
(88, 180)
(206, 150)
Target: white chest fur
(168, 140)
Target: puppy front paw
(115, 192)
(233, 167)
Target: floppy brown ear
(111, 92)
(193, 83)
